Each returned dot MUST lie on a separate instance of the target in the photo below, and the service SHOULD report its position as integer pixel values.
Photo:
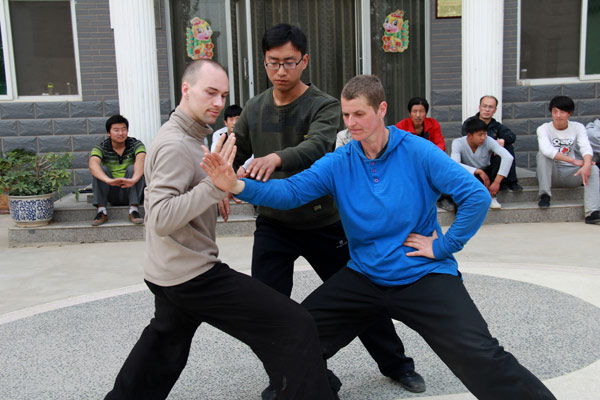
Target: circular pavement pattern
(76, 352)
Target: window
(557, 39)
(590, 29)
(39, 56)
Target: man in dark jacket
(501, 133)
(287, 128)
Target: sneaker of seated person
(544, 201)
(495, 205)
(135, 218)
(99, 219)
(593, 218)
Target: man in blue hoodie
(385, 183)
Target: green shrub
(24, 173)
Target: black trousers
(326, 249)
(279, 331)
(437, 307)
(512, 173)
(492, 170)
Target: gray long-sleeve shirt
(462, 153)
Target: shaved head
(193, 70)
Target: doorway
(344, 39)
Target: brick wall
(445, 52)
(524, 108)
(77, 126)
(97, 51)
(59, 127)
(509, 71)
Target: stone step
(69, 210)
(116, 230)
(519, 212)
(71, 223)
(530, 193)
(69, 232)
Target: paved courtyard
(70, 314)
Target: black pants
(437, 307)
(326, 249)
(491, 170)
(512, 173)
(279, 331)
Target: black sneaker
(411, 381)
(515, 187)
(593, 218)
(99, 219)
(135, 218)
(544, 201)
(334, 382)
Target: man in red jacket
(420, 125)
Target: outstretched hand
(219, 165)
(423, 244)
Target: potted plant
(30, 181)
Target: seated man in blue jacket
(386, 183)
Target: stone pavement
(68, 318)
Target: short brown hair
(368, 86)
(191, 71)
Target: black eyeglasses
(286, 65)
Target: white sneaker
(495, 205)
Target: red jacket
(431, 130)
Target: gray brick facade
(9, 128)
(86, 142)
(35, 127)
(70, 126)
(445, 53)
(524, 108)
(16, 111)
(61, 144)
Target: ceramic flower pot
(31, 211)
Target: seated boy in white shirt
(557, 165)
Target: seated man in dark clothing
(499, 132)
(117, 165)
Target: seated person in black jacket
(501, 133)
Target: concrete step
(519, 212)
(68, 209)
(69, 232)
(530, 193)
(118, 230)
(71, 223)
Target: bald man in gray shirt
(474, 152)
